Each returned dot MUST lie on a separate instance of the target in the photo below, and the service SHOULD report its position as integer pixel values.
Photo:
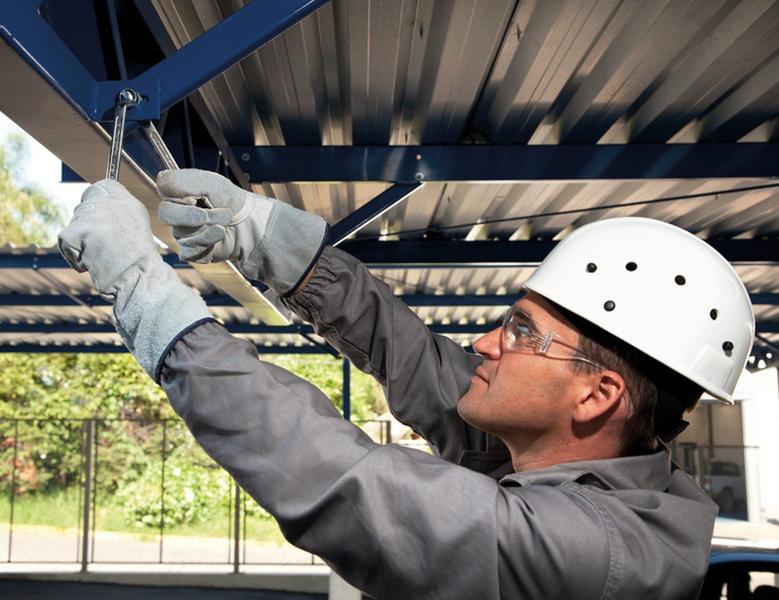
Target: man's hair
(659, 396)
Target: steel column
(346, 389)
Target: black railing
(68, 486)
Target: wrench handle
(117, 139)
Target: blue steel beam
(477, 162)
(208, 55)
(112, 349)
(247, 328)
(163, 84)
(409, 254)
(23, 28)
(370, 211)
(220, 300)
(54, 260)
(244, 328)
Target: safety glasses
(520, 334)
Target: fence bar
(87, 493)
(347, 390)
(237, 530)
(13, 490)
(162, 485)
(95, 483)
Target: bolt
(248, 177)
(245, 157)
(419, 176)
(419, 157)
(129, 97)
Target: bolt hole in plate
(631, 266)
(713, 313)
(680, 280)
(592, 267)
(609, 305)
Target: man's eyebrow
(528, 320)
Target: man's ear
(606, 391)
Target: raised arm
(423, 374)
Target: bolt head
(245, 157)
(419, 176)
(128, 96)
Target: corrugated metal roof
(407, 72)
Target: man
(560, 490)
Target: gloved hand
(214, 220)
(110, 236)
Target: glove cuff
(291, 244)
(153, 309)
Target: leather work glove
(107, 238)
(214, 220)
(110, 236)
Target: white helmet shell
(660, 289)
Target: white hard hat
(660, 289)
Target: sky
(44, 170)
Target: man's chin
(468, 411)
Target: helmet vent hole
(713, 313)
(727, 347)
(609, 305)
(631, 266)
(592, 267)
(680, 280)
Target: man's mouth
(482, 374)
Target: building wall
(745, 434)
(760, 408)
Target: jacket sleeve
(423, 374)
(395, 522)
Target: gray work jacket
(400, 523)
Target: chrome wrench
(125, 100)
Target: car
(727, 486)
(742, 574)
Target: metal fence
(107, 491)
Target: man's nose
(488, 345)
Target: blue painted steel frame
(370, 211)
(476, 162)
(223, 300)
(162, 85)
(114, 349)
(444, 254)
(248, 328)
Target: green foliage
(27, 215)
(195, 491)
(325, 372)
(54, 389)
(52, 393)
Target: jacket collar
(649, 471)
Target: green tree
(53, 391)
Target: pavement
(744, 534)
(58, 590)
(39, 544)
